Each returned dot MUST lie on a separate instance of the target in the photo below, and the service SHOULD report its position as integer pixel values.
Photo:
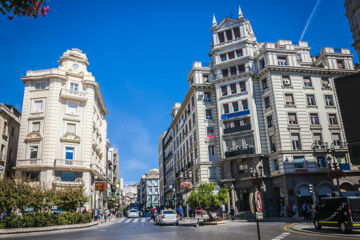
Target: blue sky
(141, 51)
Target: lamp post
(335, 171)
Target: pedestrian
(295, 211)
(303, 208)
(282, 210)
(96, 214)
(232, 212)
(308, 212)
(189, 210)
(152, 215)
(223, 211)
(181, 212)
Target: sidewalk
(307, 228)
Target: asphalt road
(141, 229)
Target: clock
(75, 66)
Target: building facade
(353, 14)
(276, 112)
(62, 139)
(150, 188)
(161, 169)
(9, 126)
(113, 178)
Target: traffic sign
(259, 216)
(258, 199)
(198, 211)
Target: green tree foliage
(70, 199)
(204, 197)
(30, 8)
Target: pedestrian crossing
(132, 220)
(281, 236)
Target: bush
(42, 219)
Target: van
(341, 212)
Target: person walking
(189, 210)
(223, 211)
(153, 212)
(282, 210)
(181, 212)
(295, 211)
(232, 212)
(303, 208)
(308, 212)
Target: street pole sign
(259, 205)
(252, 203)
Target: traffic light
(311, 188)
(174, 196)
(298, 194)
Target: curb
(216, 223)
(290, 228)
(46, 229)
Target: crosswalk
(132, 220)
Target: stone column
(233, 198)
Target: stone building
(9, 127)
(161, 169)
(113, 177)
(149, 187)
(353, 15)
(62, 139)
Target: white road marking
(281, 236)
(121, 220)
(135, 220)
(128, 220)
(143, 220)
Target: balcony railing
(240, 151)
(235, 114)
(29, 162)
(75, 95)
(68, 163)
(237, 129)
(318, 145)
(338, 145)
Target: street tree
(70, 199)
(30, 8)
(206, 197)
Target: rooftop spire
(240, 13)
(214, 23)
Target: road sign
(258, 199)
(198, 211)
(259, 216)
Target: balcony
(240, 151)
(337, 145)
(237, 129)
(235, 114)
(73, 95)
(68, 163)
(319, 146)
(28, 163)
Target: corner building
(277, 109)
(62, 141)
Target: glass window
(286, 80)
(233, 71)
(289, 99)
(226, 108)
(35, 126)
(244, 104)
(275, 165)
(228, 34)
(236, 32)
(221, 37)
(32, 176)
(282, 61)
(292, 118)
(72, 108)
(207, 97)
(223, 57)
(336, 139)
(34, 151)
(311, 100)
(295, 139)
(233, 88)
(69, 153)
(321, 162)
(208, 114)
(67, 176)
(224, 90)
(299, 162)
(38, 106)
(205, 78)
(314, 119)
(264, 84)
(272, 143)
(212, 150)
(269, 121)
(74, 87)
(212, 172)
(231, 55)
(329, 100)
(71, 128)
(267, 102)
(241, 68)
(239, 53)
(307, 82)
(225, 72)
(235, 106)
(325, 83)
(333, 119)
(40, 85)
(242, 87)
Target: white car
(133, 213)
(167, 217)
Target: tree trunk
(210, 215)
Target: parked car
(341, 212)
(133, 213)
(167, 217)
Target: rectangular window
(31, 176)
(267, 102)
(223, 57)
(72, 108)
(223, 90)
(221, 37)
(210, 132)
(275, 165)
(225, 72)
(243, 168)
(208, 114)
(211, 150)
(269, 121)
(74, 87)
(336, 140)
(295, 140)
(35, 126)
(233, 88)
(292, 118)
(325, 83)
(310, 100)
(307, 82)
(212, 172)
(317, 140)
(314, 118)
(235, 106)
(207, 97)
(321, 162)
(289, 99)
(40, 85)
(333, 119)
(205, 78)
(241, 68)
(71, 128)
(244, 104)
(233, 71)
(226, 108)
(329, 100)
(272, 144)
(228, 35)
(286, 80)
(340, 64)
(299, 162)
(242, 86)
(264, 84)
(38, 106)
(239, 53)
(236, 32)
(282, 61)
(231, 55)
(69, 153)
(67, 176)
(34, 151)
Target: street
(141, 228)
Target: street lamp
(335, 171)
